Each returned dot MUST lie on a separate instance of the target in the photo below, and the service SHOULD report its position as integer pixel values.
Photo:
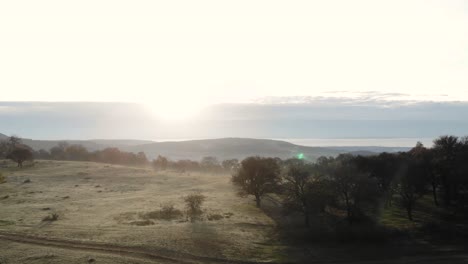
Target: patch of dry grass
(132, 208)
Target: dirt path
(159, 255)
(167, 256)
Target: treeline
(75, 152)
(14, 149)
(207, 164)
(360, 186)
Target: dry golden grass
(114, 204)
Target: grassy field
(112, 214)
(112, 205)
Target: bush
(2, 178)
(193, 203)
(142, 223)
(51, 218)
(167, 212)
(214, 217)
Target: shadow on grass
(330, 238)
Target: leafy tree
(59, 152)
(297, 187)
(257, 176)
(445, 150)
(8, 145)
(20, 154)
(76, 152)
(209, 163)
(356, 189)
(185, 165)
(382, 168)
(424, 158)
(42, 154)
(160, 162)
(412, 182)
(230, 164)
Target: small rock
(27, 181)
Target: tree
(356, 189)
(160, 162)
(20, 154)
(424, 158)
(257, 176)
(8, 145)
(297, 187)
(209, 163)
(412, 181)
(76, 152)
(445, 161)
(230, 164)
(42, 154)
(59, 152)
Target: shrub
(142, 223)
(2, 178)
(167, 212)
(51, 218)
(214, 217)
(193, 204)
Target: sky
(357, 121)
(179, 58)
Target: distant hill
(92, 145)
(2, 136)
(227, 148)
(368, 150)
(223, 148)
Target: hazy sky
(313, 118)
(176, 56)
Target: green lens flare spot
(300, 156)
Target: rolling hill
(227, 148)
(222, 148)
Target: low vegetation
(2, 178)
(51, 217)
(167, 212)
(193, 205)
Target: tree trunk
(447, 194)
(306, 219)
(434, 193)
(348, 210)
(257, 200)
(409, 211)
